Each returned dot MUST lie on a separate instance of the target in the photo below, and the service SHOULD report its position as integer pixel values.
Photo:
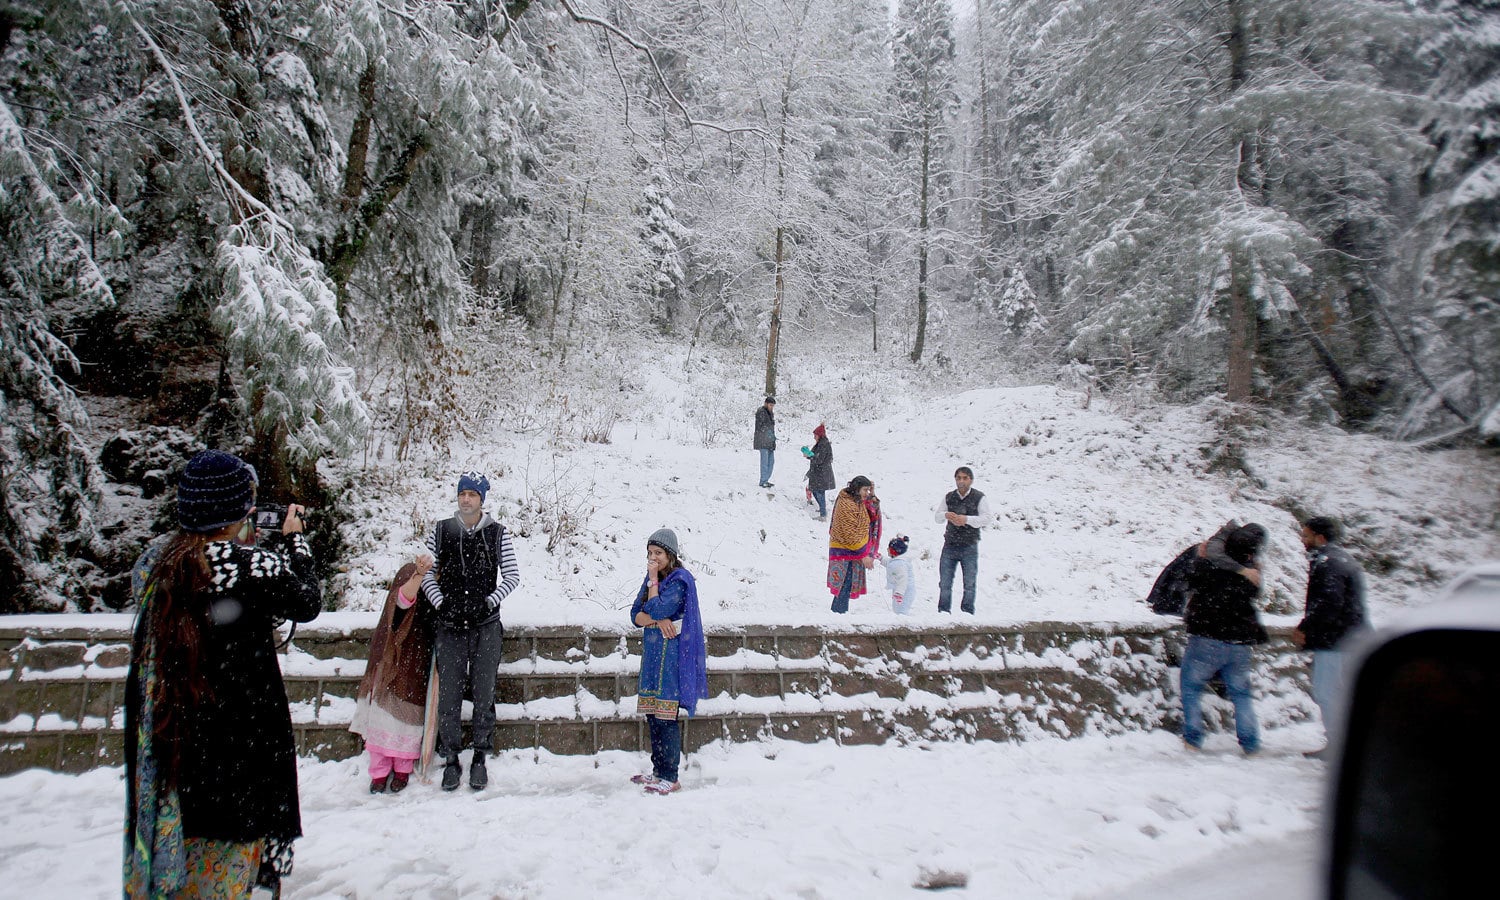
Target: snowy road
(1121, 817)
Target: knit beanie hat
(820, 431)
(897, 546)
(474, 481)
(666, 539)
(216, 489)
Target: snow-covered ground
(1092, 499)
(1093, 817)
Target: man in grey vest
(965, 511)
(475, 570)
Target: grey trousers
(466, 656)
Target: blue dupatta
(692, 649)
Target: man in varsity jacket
(475, 570)
(965, 511)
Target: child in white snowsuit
(898, 577)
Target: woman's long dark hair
(855, 483)
(178, 621)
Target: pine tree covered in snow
(662, 234)
(1216, 184)
(1454, 265)
(926, 99)
(49, 479)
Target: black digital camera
(270, 517)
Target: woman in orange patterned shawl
(853, 539)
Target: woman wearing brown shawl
(391, 707)
(853, 540)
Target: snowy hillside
(1092, 499)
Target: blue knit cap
(897, 546)
(216, 489)
(474, 481)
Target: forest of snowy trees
(273, 225)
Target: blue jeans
(666, 747)
(1203, 659)
(822, 502)
(767, 463)
(953, 557)
(841, 601)
(1327, 683)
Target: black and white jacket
(475, 569)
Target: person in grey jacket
(1335, 609)
(475, 570)
(765, 439)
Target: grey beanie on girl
(666, 539)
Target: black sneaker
(452, 772)
(478, 777)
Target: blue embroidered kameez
(659, 691)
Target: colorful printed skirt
(838, 568)
(220, 870)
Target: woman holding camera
(210, 757)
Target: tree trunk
(481, 249)
(352, 238)
(775, 338)
(922, 225)
(874, 302)
(1241, 331)
(1242, 312)
(986, 152)
(359, 143)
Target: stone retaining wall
(572, 690)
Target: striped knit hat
(216, 489)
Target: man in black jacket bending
(1223, 625)
(1335, 608)
(475, 570)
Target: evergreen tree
(49, 480)
(926, 99)
(1446, 292)
(662, 236)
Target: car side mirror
(1417, 792)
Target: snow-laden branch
(661, 76)
(211, 159)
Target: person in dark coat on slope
(1223, 625)
(1335, 609)
(820, 470)
(210, 757)
(765, 439)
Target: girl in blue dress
(673, 678)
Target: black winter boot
(452, 772)
(478, 777)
